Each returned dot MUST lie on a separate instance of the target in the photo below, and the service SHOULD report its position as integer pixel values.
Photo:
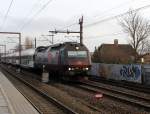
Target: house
(116, 53)
(146, 58)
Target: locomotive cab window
(80, 54)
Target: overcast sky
(36, 17)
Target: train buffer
(11, 100)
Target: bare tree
(96, 56)
(145, 47)
(138, 29)
(28, 43)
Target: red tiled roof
(126, 48)
(116, 52)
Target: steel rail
(124, 97)
(60, 105)
(128, 85)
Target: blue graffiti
(130, 72)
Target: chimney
(116, 41)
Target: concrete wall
(146, 73)
(117, 71)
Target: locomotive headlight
(69, 68)
(87, 68)
(77, 47)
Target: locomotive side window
(62, 56)
(81, 54)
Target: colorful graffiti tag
(130, 72)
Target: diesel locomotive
(64, 59)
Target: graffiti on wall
(104, 71)
(117, 71)
(130, 71)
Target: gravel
(106, 105)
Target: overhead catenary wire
(119, 5)
(36, 14)
(68, 26)
(110, 9)
(105, 35)
(46, 39)
(29, 13)
(69, 38)
(116, 16)
(6, 15)
(96, 15)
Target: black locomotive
(69, 59)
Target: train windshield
(80, 54)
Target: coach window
(62, 55)
(49, 49)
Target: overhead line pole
(52, 38)
(35, 42)
(81, 30)
(19, 34)
(68, 32)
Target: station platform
(11, 100)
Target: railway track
(29, 78)
(44, 107)
(128, 85)
(127, 96)
(37, 101)
(84, 102)
(25, 72)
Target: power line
(110, 9)
(29, 13)
(97, 15)
(68, 26)
(37, 13)
(105, 35)
(116, 16)
(69, 38)
(5, 17)
(67, 30)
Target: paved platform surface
(11, 100)
(4, 108)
